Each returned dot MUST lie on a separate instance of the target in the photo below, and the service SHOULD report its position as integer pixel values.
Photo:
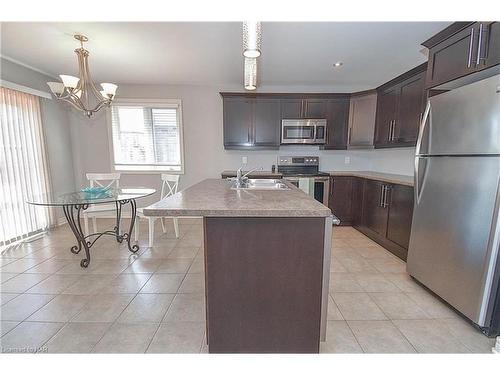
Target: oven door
(298, 133)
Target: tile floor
(153, 301)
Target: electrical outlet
(244, 160)
(347, 160)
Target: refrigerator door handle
(421, 130)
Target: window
(147, 136)
(23, 167)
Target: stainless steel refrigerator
(455, 233)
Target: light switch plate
(347, 160)
(244, 160)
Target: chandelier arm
(74, 103)
(101, 104)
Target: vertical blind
(23, 166)
(146, 138)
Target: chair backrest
(104, 179)
(169, 185)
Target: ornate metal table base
(73, 214)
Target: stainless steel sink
(260, 184)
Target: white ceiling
(293, 54)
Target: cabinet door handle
(390, 129)
(393, 136)
(479, 47)
(349, 135)
(386, 194)
(469, 58)
(381, 198)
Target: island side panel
(263, 284)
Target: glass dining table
(75, 203)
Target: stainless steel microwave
(303, 131)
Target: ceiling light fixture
(250, 73)
(80, 91)
(251, 39)
(338, 64)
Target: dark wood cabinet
(314, 108)
(399, 109)
(251, 123)
(358, 185)
(387, 104)
(340, 199)
(237, 122)
(461, 49)
(337, 123)
(266, 122)
(410, 109)
(452, 58)
(400, 215)
(383, 212)
(292, 108)
(491, 47)
(374, 213)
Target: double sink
(258, 184)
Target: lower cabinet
(400, 215)
(340, 199)
(380, 210)
(374, 216)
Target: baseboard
(394, 248)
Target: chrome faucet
(241, 178)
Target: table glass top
(80, 197)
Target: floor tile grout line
(355, 338)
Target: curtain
(23, 167)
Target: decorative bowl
(96, 192)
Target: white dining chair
(169, 186)
(111, 180)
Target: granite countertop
(214, 197)
(254, 174)
(400, 179)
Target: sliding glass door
(23, 166)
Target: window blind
(23, 167)
(146, 138)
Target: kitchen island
(267, 259)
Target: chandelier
(80, 91)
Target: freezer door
(464, 121)
(453, 231)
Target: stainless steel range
(303, 172)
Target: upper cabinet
(362, 112)
(251, 122)
(337, 118)
(461, 49)
(314, 108)
(400, 106)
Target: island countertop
(215, 198)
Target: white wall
(205, 156)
